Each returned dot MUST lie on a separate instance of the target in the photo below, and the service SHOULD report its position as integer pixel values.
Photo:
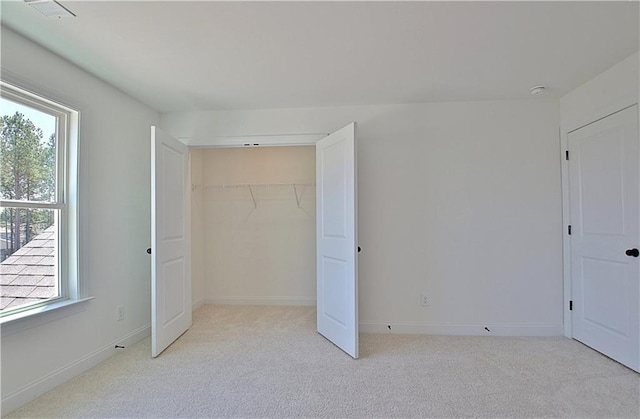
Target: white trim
(31, 204)
(262, 301)
(604, 115)
(37, 316)
(254, 140)
(602, 112)
(566, 243)
(39, 387)
(72, 274)
(501, 329)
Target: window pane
(28, 247)
(27, 153)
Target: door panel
(601, 182)
(170, 238)
(604, 182)
(335, 289)
(605, 281)
(337, 277)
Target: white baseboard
(462, 329)
(36, 389)
(262, 301)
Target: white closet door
(170, 238)
(337, 263)
(604, 203)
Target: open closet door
(170, 238)
(337, 264)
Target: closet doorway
(253, 230)
(254, 225)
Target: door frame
(248, 141)
(272, 141)
(564, 131)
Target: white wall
(115, 195)
(460, 201)
(609, 92)
(263, 253)
(197, 233)
(606, 93)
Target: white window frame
(73, 291)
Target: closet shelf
(251, 186)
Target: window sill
(38, 316)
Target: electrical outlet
(424, 300)
(120, 313)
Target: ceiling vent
(50, 8)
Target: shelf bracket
(253, 198)
(295, 190)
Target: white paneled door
(337, 262)
(605, 235)
(170, 238)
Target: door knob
(149, 250)
(632, 252)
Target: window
(38, 197)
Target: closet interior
(253, 216)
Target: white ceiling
(177, 56)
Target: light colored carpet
(270, 362)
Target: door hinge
(569, 229)
(570, 305)
(566, 155)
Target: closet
(242, 226)
(253, 237)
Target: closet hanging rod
(254, 185)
